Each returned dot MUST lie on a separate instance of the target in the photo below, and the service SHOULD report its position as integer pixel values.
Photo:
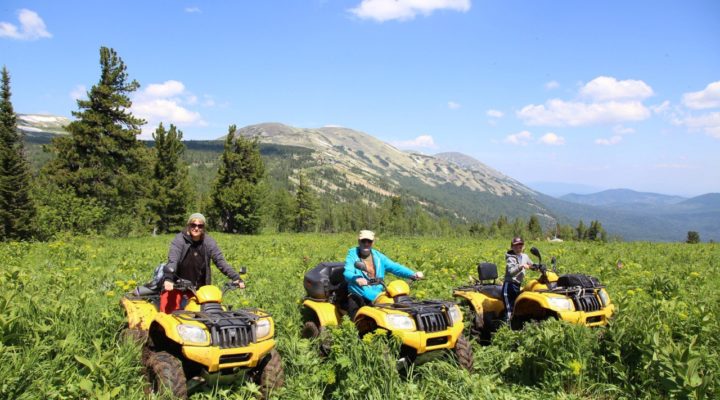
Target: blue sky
(611, 94)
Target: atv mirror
(535, 252)
(553, 261)
(243, 270)
(361, 266)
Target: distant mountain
(621, 197)
(345, 165)
(559, 189)
(41, 126)
(648, 216)
(352, 163)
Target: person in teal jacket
(377, 264)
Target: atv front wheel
(165, 375)
(311, 330)
(272, 376)
(463, 352)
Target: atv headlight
(397, 321)
(455, 315)
(262, 328)
(604, 297)
(560, 303)
(192, 334)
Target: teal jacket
(382, 264)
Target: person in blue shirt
(377, 264)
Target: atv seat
(145, 290)
(494, 291)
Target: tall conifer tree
(101, 158)
(171, 186)
(237, 193)
(16, 208)
(306, 211)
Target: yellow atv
(426, 328)
(575, 298)
(203, 344)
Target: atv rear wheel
(272, 376)
(165, 375)
(463, 352)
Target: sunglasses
(198, 226)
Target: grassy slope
(60, 318)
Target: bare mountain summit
(364, 158)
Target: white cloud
(494, 113)
(166, 102)
(621, 130)
(552, 139)
(192, 9)
(661, 108)
(707, 98)
(422, 141)
(453, 105)
(519, 139)
(607, 88)
(166, 89)
(32, 27)
(609, 141)
(552, 85)
(402, 10)
(556, 112)
(708, 123)
(78, 92)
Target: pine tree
(101, 158)
(16, 207)
(534, 228)
(581, 231)
(693, 237)
(237, 193)
(306, 209)
(171, 186)
(282, 213)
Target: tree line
(100, 179)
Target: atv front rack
(429, 315)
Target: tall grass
(60, 318)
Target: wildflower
(630, 292)
(110, 293)
(694, 274)
(575, 366)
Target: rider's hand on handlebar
(239, 283)
(361, 281)
(528, 266)
(168, 286)
(419, 275)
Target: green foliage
(238, 192)
(305, 206)
(101, 158)
(534, 228)
(692, 237)
(61, 319)
(17, 211)
(170, 194)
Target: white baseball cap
(369, 235)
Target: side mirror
(361, 266)
(242, 271)
(553, 261)
(535, 252)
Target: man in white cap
(376, 264)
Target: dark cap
(516, 240)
